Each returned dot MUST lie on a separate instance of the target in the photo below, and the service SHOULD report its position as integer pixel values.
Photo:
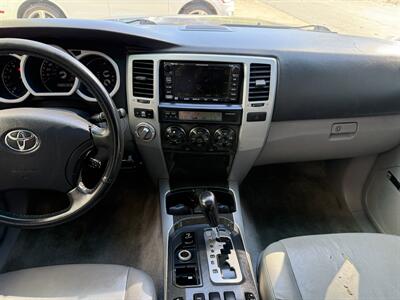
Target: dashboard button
(199, 296)
(249, 296)
(214, 296)
(256, 116)
(143, 113)
(229, 296)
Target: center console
(200, 116)
(200, 121)
(207, 257)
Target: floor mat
(281, 201)
(124, 228)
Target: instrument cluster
(21, 76)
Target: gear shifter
(210, 210)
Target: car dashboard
(219, 94)
(201, 106)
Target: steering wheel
(40, 148)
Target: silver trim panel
(252, 135)
(213, 249)
(35, 93)
(113, 63)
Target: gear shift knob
(209, 206)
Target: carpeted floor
(286, 200)
(278, 201)
(124, 228)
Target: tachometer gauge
(11, 76)
(105, 69)
(55, 79)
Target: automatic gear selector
(222, 259)
(210, 210)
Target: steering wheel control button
(22, 141)
(184, 255)
(145, 132)
(143, 113)
(94, 163)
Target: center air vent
(260, 77)
(143, 78)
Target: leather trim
(86, 281)
(336, 266)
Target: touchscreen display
(200, 116)
(201, 81)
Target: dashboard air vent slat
(143, 78)
(260, 77)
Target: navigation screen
(201, 81)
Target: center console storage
(185, 201)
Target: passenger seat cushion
(335, 266)
(86, 281)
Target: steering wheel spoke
(102, 141)
(79, 198)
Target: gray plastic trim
(381, 197)
(293, 141)
(252, 135)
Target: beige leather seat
(88, 282)
(336, 266)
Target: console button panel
(193, 237)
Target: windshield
(372, 18)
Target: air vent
(143, 78)
(260, 77)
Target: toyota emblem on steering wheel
(22, 140)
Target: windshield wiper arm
(139, 21)
(314, 27)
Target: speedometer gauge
(55, 79)
(104, 71)
(11, 76)
(104, 68)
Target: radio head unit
(201, 82)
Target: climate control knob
(199, 137)
(175, 135)
(224, 138)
